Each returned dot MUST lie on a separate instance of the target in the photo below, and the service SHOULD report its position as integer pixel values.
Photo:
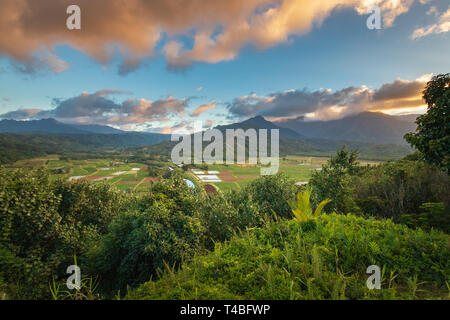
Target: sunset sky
(161, 64)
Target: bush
(391, 190)
(334, 182)
(169, 225)
(140, 243)
(289, 260)
(161, 228)
(434, 215)
(44, 224)
(224, 216)
(272, 193)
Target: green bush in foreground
(325, 259)
(43, 224)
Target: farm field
(125, 176)
(234, 177)
(134, 176)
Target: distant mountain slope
(27, 139)
(292, 143)
(364, 127)
(93, 128)
(53, 126)
(15, 147)
(261, 123)
(37, 126)
(112, 138)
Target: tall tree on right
(432, 137)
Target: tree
(432, 137)
(334, 182)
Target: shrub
(222, 216)
(434, 215)
(288, 261)
(391, 190)
(334, 182)
(43, 224)
(140, 243)
(272, 193)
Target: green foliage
(168, 226)
(43, 224)
(222, 216)
(86, 291)
(272, 194)
(125, 240)
(285, 261)
(391, 190)
(387, 190)
(432, 138)
(139, 243)
(433, 215)
(334, 181)
(302, 208)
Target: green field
(298, 168)
(93, 169)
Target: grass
(322, 259)
(79, 171)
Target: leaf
(320, 207)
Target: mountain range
(376, 136)
(294, 143)
(370, 127)
(53, 126)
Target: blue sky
(339, 53)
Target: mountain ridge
(371, 127)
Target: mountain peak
(371, 127)
(258, 118)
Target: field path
(140, 182)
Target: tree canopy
(432, 137)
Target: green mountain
(293, 143)
(370, 127)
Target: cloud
(179, 128)
(203, 108)
(442, 26)
(21, 114)
(209, 123)
(135, 28)
(100, 108)
(327, 105)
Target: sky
(160, 65)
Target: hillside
(26, 139)
(293, 143)
(364, 127)
(38, 126)
(15, 147)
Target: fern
(302, 209)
